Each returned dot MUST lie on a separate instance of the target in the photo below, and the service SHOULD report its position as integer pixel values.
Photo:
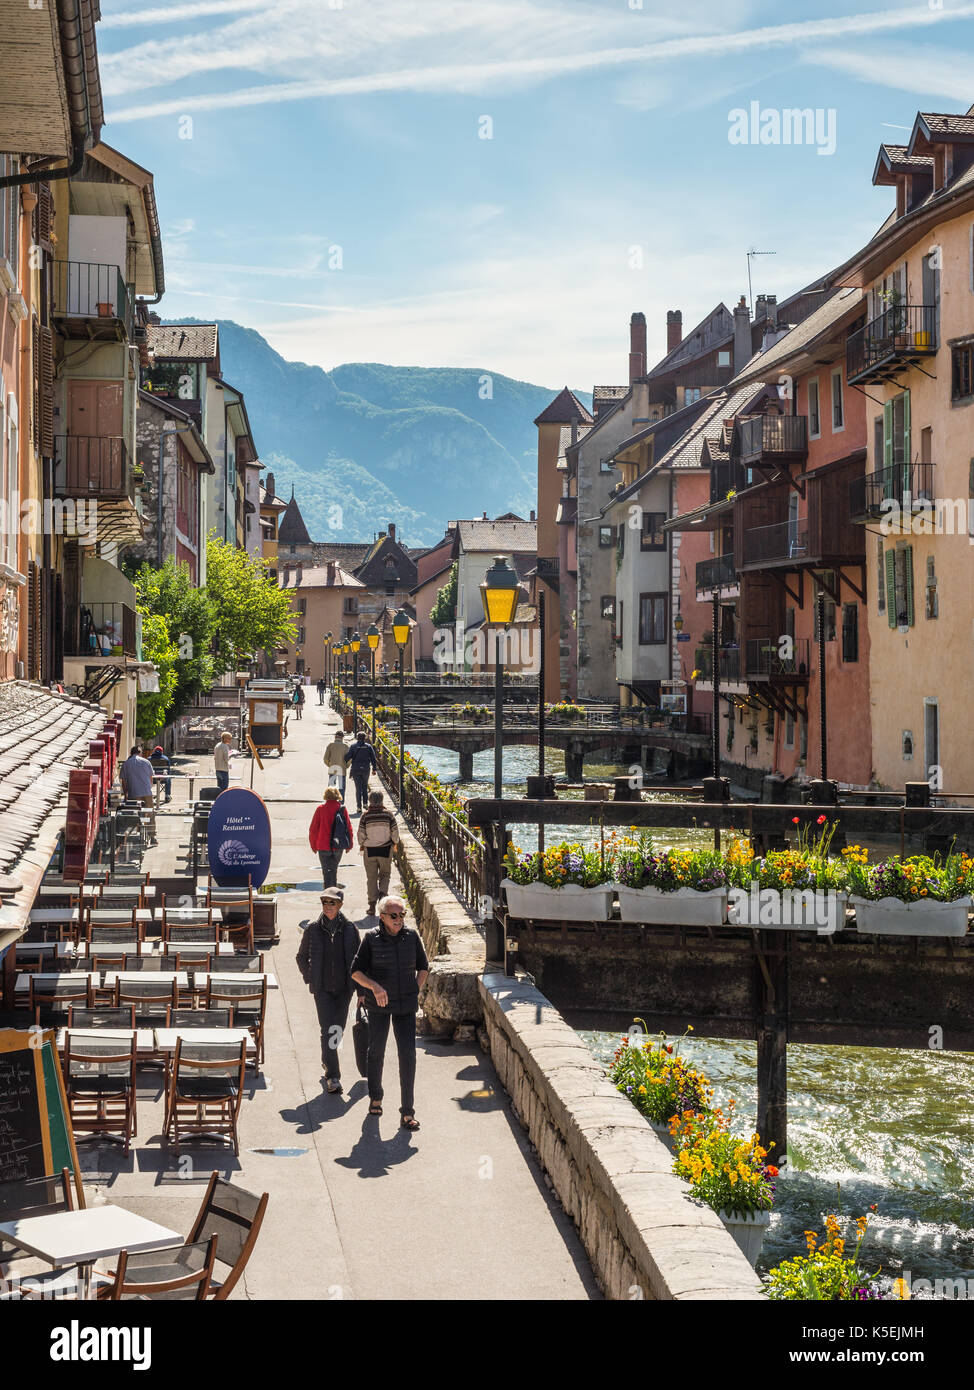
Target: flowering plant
(565, 709)
(826, 1272)
(726, 1172)
(636, 866)
(561, 864)
(660, 1083)
(911, 880)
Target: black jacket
(392, 962)
(361, 759)
(326, 953)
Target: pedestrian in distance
(361, 760)
(221, 761)
(330, 835)
(161, 764)
(321, 691)
(392, 963)
(136, 773)
(298, 699)
(328, 947)
(378, 835)
(335, 755)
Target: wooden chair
(25, 1197)
(34, 956)
(249, 1004)
(152, 998)
(107, 933)
(234, 1216)
(203, 934)
(106, 1017)
(99, 1080)
(181, 1274)
(150, 964)
(122, 895)
(201, 1018)
(237, 908)
(204, 1090)
(55, 997)
(242, 963)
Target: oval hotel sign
(239, 839)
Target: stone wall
(643, 1234)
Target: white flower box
(748, 1231)
(768, 910)
(928, 917)
(570, 903)
(684, 907)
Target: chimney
(392, 530)
(766, 307)
(269, 487)
(297, 581)
(637, 346)
(330, 577)
(531, 515)
(485, 516)
(674, 328)
(742, 336)
(152, 317)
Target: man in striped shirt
(378, 834)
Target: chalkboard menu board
(36, 1139)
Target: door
(94, 446)
(793, 500)
(931, 744)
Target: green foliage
(250, 612)
(170, 593)
(826, 1273)
(444, 610)
(157, 647)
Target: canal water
(867, 1126)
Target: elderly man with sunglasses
(392, 963)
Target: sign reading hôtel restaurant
(239, 839)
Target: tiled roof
(767, 364)
(565, 441)
(563, 409)
(375, 569)
(686, 452)
(898, 155)
(349, 553)
(610, 393)
(190, 342)
(946, 123)
(315, 577)
(498, 536)
(274, 501)
(291, 529)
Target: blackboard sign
(36, 1138)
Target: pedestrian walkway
(359, 1208)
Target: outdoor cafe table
(98, 916)
(156, 947)
(143, 1037)
(192, 916)
(200, 977)
(82, 1237)
(43, 977)
(128, 977)
(166, 1038)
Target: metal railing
(783, 540)
(93, 466)
(104, 629)
(898, 487)
(718, 573)
(725, 478)
(771, 434)
(901, 333)
(89, 290)
(774, 657)
(729, 663)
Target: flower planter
(801, 914)
(570, 903)
(891, 917)
(683, 908)
(748, 1231)
(662, 1132)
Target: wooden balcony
(770, 439)
(901, 336)
(781, 543)
(101, 630)
(725, 478)
(93, 466)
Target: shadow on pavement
(375, 1157)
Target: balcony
(104, 629)
(718, 573)
(92, 301)
(764, 660)
(728, 663)
(771, 439)
(725, 478)
(890, 490)
(93, 466)
(898, 338)
(782, 543)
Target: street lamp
(400, 632)
(328, 650)
(355, 644)
(498, 593)
(372, 636)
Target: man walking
(136, 772)
(378, 834)
(329, 946)
(321, 690)
(335, 755)
(221, 761)
(361, 760)
(392, 963)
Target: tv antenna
(752, 252)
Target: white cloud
(172, 14)
(924, 71)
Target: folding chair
(152, 998)
(201, 1018)
(107, 1017)
(99, 1080)
(56, 996)
(234, 1216)
(204, 1091)
(181, 1274)
(173, 932)
(106, 934)
(249, 1004)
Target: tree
(170, 594)
(444, 610)
(250, 612)
(152, 707)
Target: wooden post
(771, 1020)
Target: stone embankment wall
(643, 1234)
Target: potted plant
(673, 887)
(727, 1173)
(566, 882)
(919, 896)
(660, 1083)
(802, 888)
(825, 1272)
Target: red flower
(771, 1171)
(794, 820)
(820, 821)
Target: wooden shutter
(35, 370)
(44, 215)
(907, 553)
(891, 587)
(46, 391)
(907, 454)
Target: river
(867, 1126)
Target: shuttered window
(850, 632)
(880, 580)
(899, 586)
(46, 391)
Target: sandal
(409, 1121)
(375, 1108)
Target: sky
(499, 184)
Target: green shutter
(891, 587)
(908, 581)
(907, 455)
(888, 448)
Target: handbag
(340, 837)
(360, 1039)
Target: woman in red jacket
(330, 834)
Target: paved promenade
(359, 1208)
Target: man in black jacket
(361, 760)
(328, 948)
(391, 962)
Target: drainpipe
(36, 175)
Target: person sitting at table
(161, 763)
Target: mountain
(366, 444)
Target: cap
(334, 895)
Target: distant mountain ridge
(366, 444)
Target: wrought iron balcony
(718, 573)
(771, 438)
(725, 478)
(774, 657)
(103, 629)
(780, 543)
(93, 466)
(897, 338)
(92, 300)
(728, 663)
(898, 488)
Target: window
(608, 606)
(652, 619)
(789, 730)
(390, 590)
(814, 414)
(850, 632)
(691, 394)
(9, 214)
(606, 537)
(881, 576)
(899, 586)
(606, 466)
(962, 372)
(302, 607)
(9, 483)
(838, 415)
(653, 536)
(803, 738)
(723, 358)
(620, 629)
(878, 442)
(301, 637)
(931, 607)
(829, 608)
(350, 605)
(896, 437)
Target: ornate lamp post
(373, 637)
(355, 644)
(498, 593)
(328, 658)
(400, 631)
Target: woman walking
(330, 835)
(299, 700)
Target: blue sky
(609, 183)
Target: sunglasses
(389, 913)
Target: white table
(200, 977)
(143, 1036)
(165, 977)
(82, 1237)
(59, 949)
(22, 984)
(166, 1038)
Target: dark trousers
(404, 1027)
(330, 859)
(332, 1017)
(223, 780)
(361, 780)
